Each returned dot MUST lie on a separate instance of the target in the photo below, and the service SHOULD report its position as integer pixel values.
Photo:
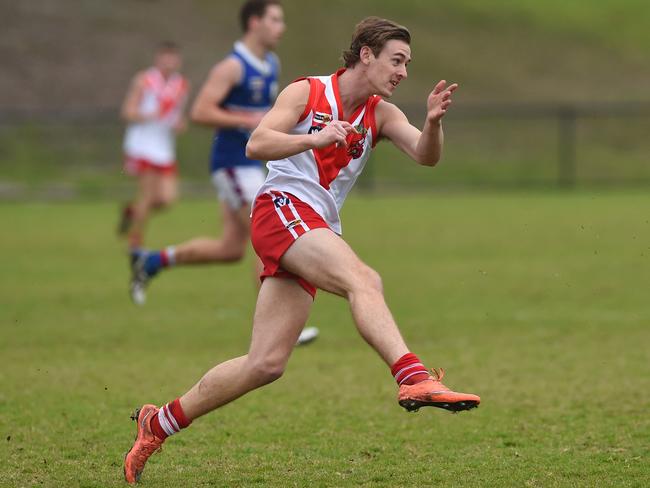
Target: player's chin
(388, 92)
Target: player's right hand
(336, 132)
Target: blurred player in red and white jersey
(317, 138)
(239, 90)
(153, 109)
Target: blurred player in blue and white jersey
(237, 94)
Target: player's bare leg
(282, 309)
(230, 247)
(155, 192)
(325, 259)
(281, 313)
(165, 189)
(141, 208)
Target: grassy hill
(75, 53)
(80, 55)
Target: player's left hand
(439, 101)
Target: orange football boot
(146, 443)
(432, 393)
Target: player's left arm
(130, 110)
(180, 125)
(424, 147)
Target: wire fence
(553, 145)
(486, 145)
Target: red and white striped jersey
(324, 177)
(154, 140)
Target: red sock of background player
(156, 260)
(170, 420)
(409, 370)
(168, 256)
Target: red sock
(168, 256)
(164, 258)
(409, 370)
(170, 420)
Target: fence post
(567, 144)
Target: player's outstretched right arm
(271, 140)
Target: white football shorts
(238, 186)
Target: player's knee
(234, 249)
(237, 253)
(164, 201)
(369, 280)
(170, 199)
(266, 370)
(143, 204)
(234, 253)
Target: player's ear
(366, 55)
(253, 23)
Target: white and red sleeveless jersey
(155, 139)
(323, 177)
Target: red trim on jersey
(337, 96)
(169, 91)
(330, 160)
(370, 113)
(313, 92)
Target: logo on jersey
(322, 118)
(256, 86)
(281, 201)
(356, 141)
(319, 121)
(273, 90)
(360, 129)
(293, 223)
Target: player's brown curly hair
(373, 32)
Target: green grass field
(537, 302)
